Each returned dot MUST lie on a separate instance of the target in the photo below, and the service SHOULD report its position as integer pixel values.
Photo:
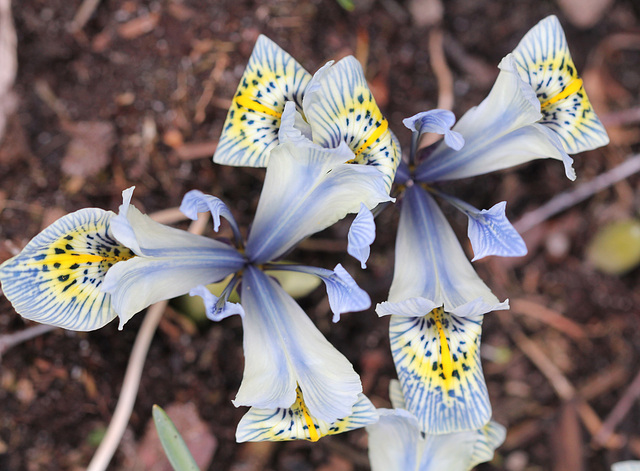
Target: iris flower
(332, 108)
(94, 265)
(396, 442)
(335, 105)
(536, 109)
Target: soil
(157, 78)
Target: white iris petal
(422, 270)
(306, 190)
(284, 349)
(501, 132)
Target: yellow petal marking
(447, 360)
(314, 436)
(574, 86)
(253, 105)
(375, 135)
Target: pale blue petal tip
(195, 202)
(439, 122)
(214, 312)
(361, 235)
(412, 307)
(344, 293)
(491, 233)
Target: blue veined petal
(195, 202)
(412, 307)
(490, 437)
(340, 108)
(141, 281)
(307, 189)
(284, 350)
(439, 122)
(396, 444)
(272, 77)
(170, 262)
(58, 276)
(501, 132)
(216, 310)
(431, 264)
(297, 423)
(344, 293)
(437, 357)
(293, 127)
(543, 60)
(490, 231)
(361, 235)
(395, 395)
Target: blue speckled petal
(340, 108)
(57, 278)
(272, 78)
(297, 423)
(544, 61)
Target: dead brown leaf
(89, 149)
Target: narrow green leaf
(172, 442)
(348, 5)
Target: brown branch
(568, 199)
(618, 413)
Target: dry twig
(8, 341)
(558, 381)
(82, 15)
(618, 413)
(568, 199)
(441, 70)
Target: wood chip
(138, 26)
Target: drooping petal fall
(543, 60)
(272, 77)
(502, 132)
(431, 264)
(340, 108)
(307, 189)
(57, 278)
(284, 350)
(297, 423)
(437, 357)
